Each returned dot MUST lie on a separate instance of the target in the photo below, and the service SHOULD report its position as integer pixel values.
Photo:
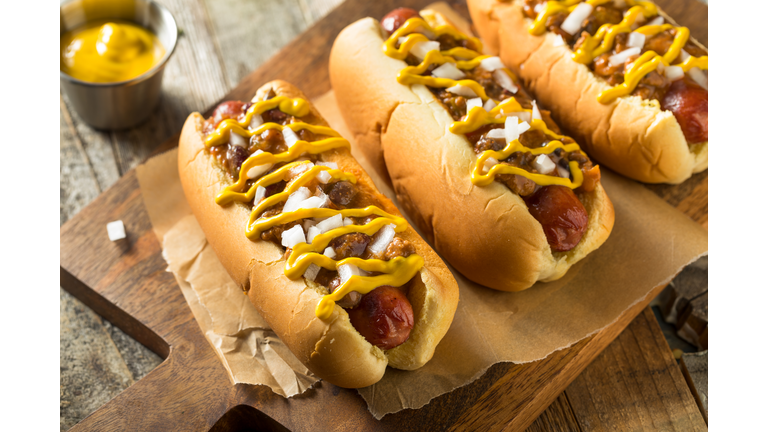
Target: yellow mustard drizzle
(477, 117)
(395, 272)
(603, 41)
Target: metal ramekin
(123, 104)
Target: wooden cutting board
(126, 283)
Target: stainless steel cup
(123, 104)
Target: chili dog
(480, 167)
(326, 259)
(620, 74)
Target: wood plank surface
(94, 160)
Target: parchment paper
(651, 242)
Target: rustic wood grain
(128, 273)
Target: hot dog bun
(487, 233)
(332, 349)
(630, 135)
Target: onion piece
(521, 115)
(510, 129)
(448, 70)
(674, 73)
(293, 236)
(290, 137)
(504, 80)
(497, 133)
(258, 170)
(474, 102)
(292, 203)
(319, 201)
(256, 121)
(420, 49)
(401, 40)
(324, 177)
(116, 230)
(348, 221)
(619, 58)
(329, 252)
(522, 127)
(312, 232)
(311, 272)
(636, 40)
(543, 164)
(699, 76)
(539, 7)
(237, 140)
(331, 165)
(535, 113)
(559, 41)
(462, 90)
(382, 239)
(489, 163)
(572, 24)
(659, 20)
(564, 173)
(491, 63)
(333, 222)
(346, 271)
(261, 192)
(489, 105)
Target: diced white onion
(521, 115)
(256, 121)
(700, 77)
(331, 165)
(564, 173)
(258, 170)
(543, 164)
(313, 202)
(489, 105)
(489, 163)
(462, 90)
(401, 40)
(290, 137)
(329, 252)
(348, 221)
(659, 20)
(448, 70)
(420, 49)
(346, 271)
(522, 127)
(237, 140)
(298, 170)
(674, 73)
(539, 7)
(559, 41)
(312, 232)
(116, 230)
(332, 222)
(535, 113)
(312, 271)
(294, 199)
(502, 79)
(324, 177)
(382, 239)
(661, 69)
(636, 40)
(684, 55)
(619, 58)
(491, 63)
(293, 236)
(497, 133)
(510, 129)
(308, 223)
(572, 24)
(474, 102)
(261, 192)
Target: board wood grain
(127, 284)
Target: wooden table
(635, 383)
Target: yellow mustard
(109, 51)
(477, 117)
(603, 41)
(395, 272)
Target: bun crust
(485, 232)
(332, 349)
(630, 135)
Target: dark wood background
(634, 383)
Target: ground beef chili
(654, 85)
(342, 194)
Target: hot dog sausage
(393, 20)
(561, 214)
(690, 104)
(384, 317)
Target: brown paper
(650, 243)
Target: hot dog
(478, 165)
(619, 74)
(324, 257)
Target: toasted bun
(332, 349)
(630, 135)
(485, 232)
